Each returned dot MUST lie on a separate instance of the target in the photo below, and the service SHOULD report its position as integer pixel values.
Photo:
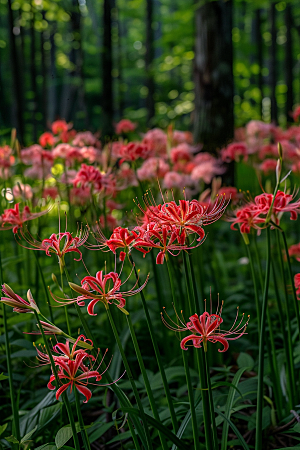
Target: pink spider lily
(206, 327)
(101, 288)
(58, 244)
(14, 219)
(18, 304)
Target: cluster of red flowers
(254, 214)
(75, 368)
(166, 227)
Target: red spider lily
(167, 239)
(59, 244)
(294, 250)
(72, 367)
(103, 288)
(297, 285)
(69, 371)
(13, 218)
(206, 327)
(188, 217)
(89, 175)
(254, 214)
(18, 304)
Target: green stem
(84, 435)
(208, 411)
(289, 340)
(157, 355)
(191, 401)
(44, 285)
(129, 374)
(271, 348)
(15, 411)
(64, 394)
(296, 302)
(119, 393)
(260, 391)
(255, 288)
(289, 360)
(146, 379)
(211, 401)
(65, 308)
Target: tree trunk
(17, 90)
(259, 53)
(33, 100)
(52, 92)
(107, 66)
(44, 61)
(289, 64)
(273, 74)
(149, 58)
(213, 115)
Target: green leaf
(3, 428)
(245, 360)
(3, 377)
(47, 447)
(229, 404)
(28, 435)
(12, 439)
(64, 435)
(120, 437)
(158, 425)
(296, 428)
(97, 432)
(226, 383)
(234, 429)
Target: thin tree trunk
(259, 53)
(44, 97)
(52, 92)
(33, 77)
(289, 64)
(107, 66)
(149, 58)
(213, 115)
(273, 74)
(17, 90)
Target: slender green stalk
(44, 285)
(288, 324)
(16, 424)
(296, 302)
(64, 394)
(271, 348)
(208, 409)
(157, 355)
(84, 435)
(191, 401)
(65, 308)
(260, 391)
(15, 412)
(146, 379)
(255, 289)
(289, 361)
(119, 393)
(207, 372)
(129, 374)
